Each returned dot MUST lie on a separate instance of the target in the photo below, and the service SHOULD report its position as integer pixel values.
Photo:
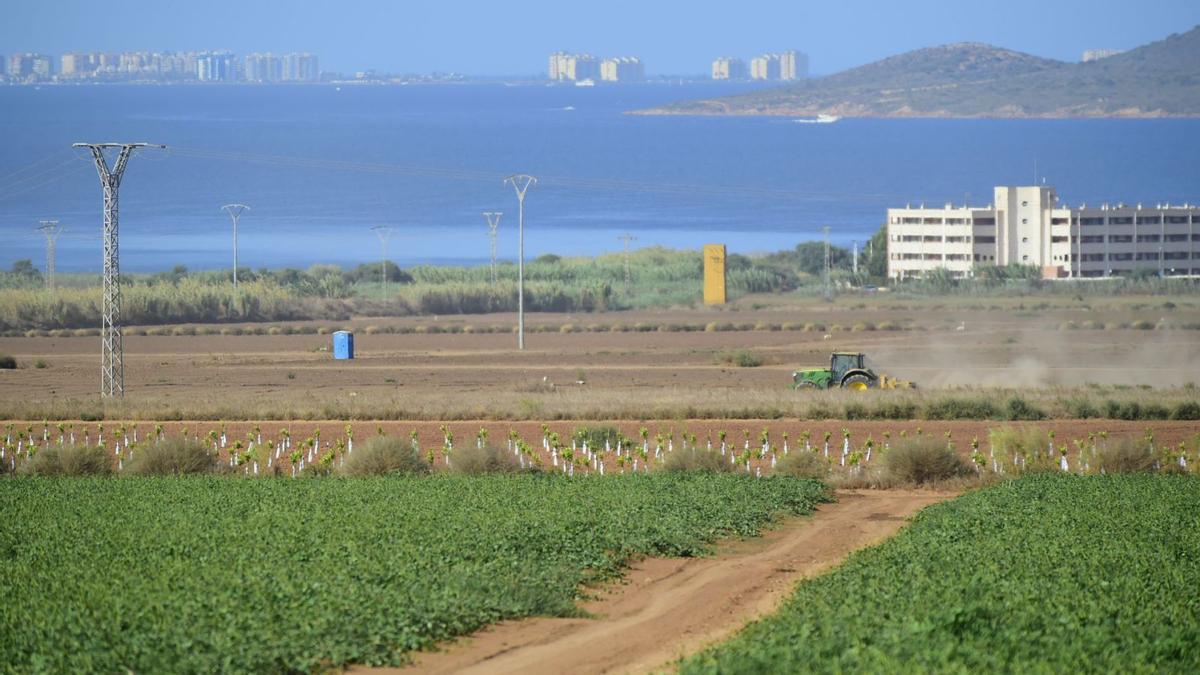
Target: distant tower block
(714, 274)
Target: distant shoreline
(934, 115)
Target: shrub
(741, 358)
(68, 460)
(1124, 455)
(921, 460)
(40, 364)
(1017, 409)
(960, 409)
(697, 459)
(803, 465)
(1186, 410)
(856, 411)
(566, 328)
(385, 455)
(1081, 408)
(1141, 324)
(371, 330)
(862, 326)
(474, 461)
(896, 410)
(173, 457)
(7, 362)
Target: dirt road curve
(670, 607)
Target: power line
(112, 357)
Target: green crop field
(1043, 574)
(223, 575)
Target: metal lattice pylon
(51, 229)
(493, 221)
(112, 351)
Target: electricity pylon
(235, 212)
(493, 221)
(112, 352)
(826, 270)
(384, 233)
(51, 229)
(521, 183)
(628, 273)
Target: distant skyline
(672, 37)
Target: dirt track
(667, 608)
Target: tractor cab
(843, 362)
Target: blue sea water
(320, 165)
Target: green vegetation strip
(1044, 574)
(220, 575)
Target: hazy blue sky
(515, 36)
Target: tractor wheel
(858, 383)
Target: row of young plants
(205, 574)
(1048, 573)
(905, 458)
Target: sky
(489, 37)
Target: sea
(325, 169)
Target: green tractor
(847, 370)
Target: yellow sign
(714, 274)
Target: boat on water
(586, 83)
(819, 119)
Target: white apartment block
(1097, 54)
(787, 66)
(729, 68)
(573, 67)
(1028, 226)
(623, 69)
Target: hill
(1161, 79)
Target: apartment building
(729, 68)
(1027, 225)
(573, 67)
(623, 69)
(787, 66)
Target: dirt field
(666, 608)
(596, 374)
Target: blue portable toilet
(343, 344)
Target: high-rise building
(728, 68)
(264, 68)
(573, 67)
(77, 65)
(216, 67)
(299, 67)
(623, 69)
(793, 65)
(787, 66)
(1027, 225)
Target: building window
(1175, 255)
(1148, 255)
(1121, 256)
(1147, 237)
(1149, 220)
(1091, 221)
(1177, 220)
(1024, 240)
(1024, 203)
(1126, 220)
(1024, 221)
(1059, 221)
(986, 239)
(1120, 238)
(992, 221)
(1024, 258)
(933, 221)
(1058, 240)
(1092, 239)
(911, 221)
(1176, 237)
